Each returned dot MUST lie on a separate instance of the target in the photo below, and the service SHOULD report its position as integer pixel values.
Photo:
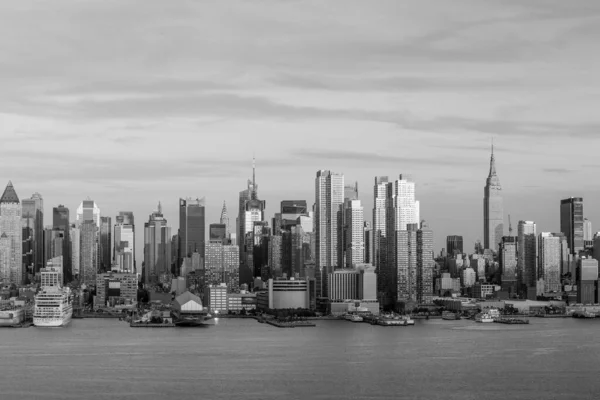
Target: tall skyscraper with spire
(493, 209)
(251, 210)
(11, 244)
(224, 220)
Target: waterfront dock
(290, 324)
(150, 325)
(512, 321)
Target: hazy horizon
(131, 103)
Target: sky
(134, 102)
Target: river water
(106, 359)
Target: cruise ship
(53, 307)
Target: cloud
(559, 170)
(373, 158)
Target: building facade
(550, 261)
(61, 222)
(157, 247)
(32, 214)
(527, 271)
(105, 244)
(11, 227)
(329, 196)
(124, 243)
(571, 223)
(115, 289)
(192, 227)
(454, 245)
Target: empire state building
(493, 210)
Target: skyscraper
(104, 251)
(399, 273)
(33, 217)
(425, 264)
(10, 225)
(222, 265)
(60, 222)
(157, 247)
(124, 243)
(224, 220)
(353, 248)
(508, 263)
(191, 228)
(493, 209)
(527, 255)
(351, 191)
(454, 245)
(379, 230)
(251, 210)
(550, 260)
(588, 233)
(88, 251)
(329, 196)
(571, 222)
(75, 246)
(88, 210)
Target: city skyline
(398, 102)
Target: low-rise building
(215, 298)
(236, 302)
(114, 289)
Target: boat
(450, 316)
(190, 321)
(356, 318)
(484, 318)
(53, 307)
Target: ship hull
(52, 322)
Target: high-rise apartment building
(124, 243)
(75, 246)
(88, 251)
(11, 228)
(352, 250)
(508, 263)
(105, 244)
(571, 222)
(454, 245)
(425, 264)
(60, 223)
(329, 196)
(157, 247)
(587, 281)
(379, 230)
(527, 271)
(222, 265)
(399, 272)
(33, 217)
(192, 227)
(493, 209)
(550, 260)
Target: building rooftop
(9, 195)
